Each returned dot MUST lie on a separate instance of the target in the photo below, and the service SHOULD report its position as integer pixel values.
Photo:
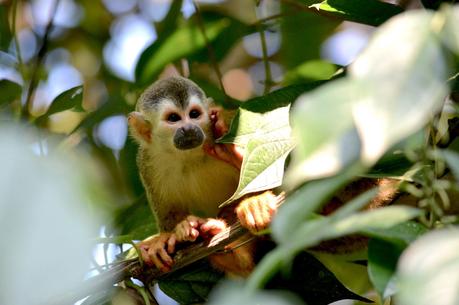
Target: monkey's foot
(192, 227)
(157, 250)
(256, 212)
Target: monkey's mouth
(184, 144)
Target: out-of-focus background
(71, 71)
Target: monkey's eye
(194, 114)
(173, 117)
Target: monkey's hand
(229, 153)
(192, 227)
(157, 250)
(256, 212)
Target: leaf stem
(39, 60)
(15, 36)
(210, 50)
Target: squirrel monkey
(187, 175)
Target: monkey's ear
(140, 128)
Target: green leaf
(9, 91)
(136, 220)
(371, 12)
(427, 272)
(323, 127)
(450, 31)
(192, 284)
(312, 70)
(403, 233)
(267, 142)
(182, 43)
(299, 206)
(69, 99)
(404, 74)
(382, 262)
(279, 98)
(5, 33)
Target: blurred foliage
(383, 115)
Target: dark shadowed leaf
(9, 91)
(192, 284)
(69, 99)
(371, 12)
(382, 262)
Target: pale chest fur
(196, 186)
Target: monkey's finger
(260, 216)
(246, 218)
(213, 226)
(145, 257)
(171, 244)
(158, 263)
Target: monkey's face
(186, 126)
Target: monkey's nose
(188, 137)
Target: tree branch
(133, 268)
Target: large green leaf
(267, 142)
(404, 71)
(428, 270)
(384, 252)
(390, 92)
(9, 91)
(343, 222)
(183, 42)
(324, 130)
(371, 12)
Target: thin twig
(211, 50)
(39, 60)
(15, 36)
(264, 51)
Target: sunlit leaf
(312, 70)
(9, 91)
(450, 31)
(428, 270)
(324, 130)
(404, 73)
(267, 142)
(183, 42)
(371, 12)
